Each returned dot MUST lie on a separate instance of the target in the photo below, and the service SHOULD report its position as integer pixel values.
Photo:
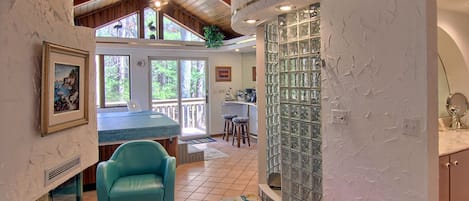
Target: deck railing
(192, 111)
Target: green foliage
(164, 80)
(173, 31)
(149, 20)
(116, 79)
(129, 28)
(213, 36)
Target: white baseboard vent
(58, 171)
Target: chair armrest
(106, 173)
(168, 168)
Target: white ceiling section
(461, 6)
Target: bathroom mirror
(443, 88)
(457, 106)
(452, 72)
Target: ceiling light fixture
(246, 40)
(285, 8)
(158, 4)
(237, 50)
(250, 21)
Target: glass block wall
(296, 80)
(273, 98)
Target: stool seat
(240, 120)
(229, 125)
(229, 116)
(241, 130)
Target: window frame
(137, 13)
(101, 79)
(181, 25)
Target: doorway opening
(179, 90)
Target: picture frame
(223, 73)
(254, 75)
(64, 88)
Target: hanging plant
(213, 36)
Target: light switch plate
(340, 117)
(411, 127)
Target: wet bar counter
(123, 126)
(242, 108)
(115, 128)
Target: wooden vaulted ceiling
(194, 14)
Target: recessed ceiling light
(285, 8)
(250, 21)
(237, 50)
(158, 3)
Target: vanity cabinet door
(444, 178)
(459, 182)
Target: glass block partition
(273, 98)
(293, 82)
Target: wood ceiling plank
(228, 2)
(194, 14)
(79, 2)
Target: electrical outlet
(340, 117)
(411, 127)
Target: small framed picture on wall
(223, 73)
(254, 75)
(64, 88)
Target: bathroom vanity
(454, 165)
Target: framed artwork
(223, 73)
(254, 73)
(64, 88)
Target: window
(164, 79)
(174, 31)
(124, 28)
(151, 25)
(113, 80)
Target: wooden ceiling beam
(123, 8)
(110, 13)
(79, 2)
(184, 17)
(227, 2)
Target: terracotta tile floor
(215, 179)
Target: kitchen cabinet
(454, 176)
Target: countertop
(241, 102)
(452, 141)
(123, 126)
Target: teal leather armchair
(137, 171)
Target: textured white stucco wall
(249, 60)
(24, 154)
(381, 66)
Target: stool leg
(224, 131)
(243, 133)
(239, 135)
(234, 135)
(247, 135)
(228, 130)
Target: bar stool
(228, 129)
(241, 130)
